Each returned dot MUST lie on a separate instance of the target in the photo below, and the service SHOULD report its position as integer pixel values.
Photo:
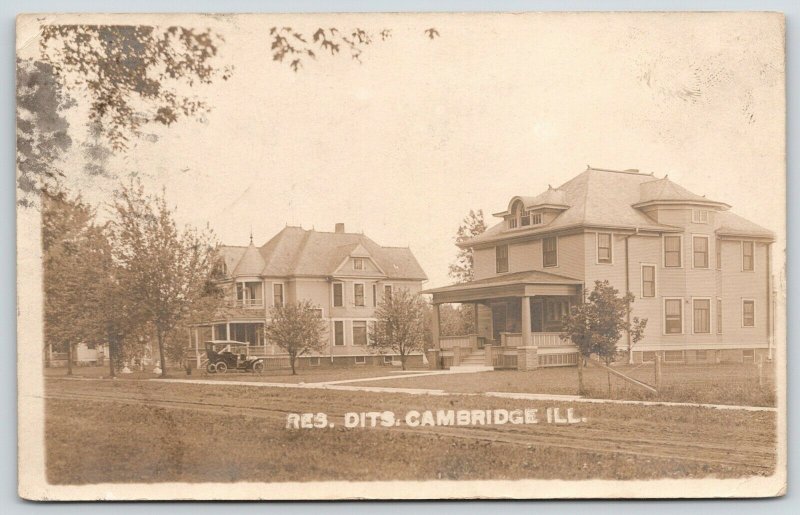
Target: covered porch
(517, 322)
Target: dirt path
(604, 436)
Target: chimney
(339, 228)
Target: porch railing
(449, 342)
(247, 303)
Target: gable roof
(250, 263)
(610, 198)
(295, 251)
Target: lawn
(143, 431)
(717, 384)
(304, 375)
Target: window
(277, 294)
(557, 310)
(358, 263)
(718, 249)
(673, 316)
(747, 256)
(387, 292)
(317, 311)
(701, 317)
(700, 251)
(550, 251)
(360, 360)
(248, 294)
(700, 355)
(748, 355)
(700, 216)
(524, 219)
(501, 258)
(338, 295)
(648, 281)
(673, 355)
(314, 362)
(719, 316)
(512, 222)
(387, 360)
(374, 295)
(648, 356)
(358, 294)
(338, 333)
(536, 218)
(748, 313)
(603, 247)
(360, 332)
(672, 251)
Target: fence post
(658, 370)
(489, 359)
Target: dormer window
(512, 222)
(700, 216)
(525, 219)
(358, 264)
(536, 218)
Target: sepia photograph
(401, 256)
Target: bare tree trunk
(292, 359)
(69, 358)
(403, 361)
(163, 363)
(608, 377)
(111, 343)
(581, 390)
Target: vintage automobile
(224, 355)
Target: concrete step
(470, 368)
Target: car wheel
(222, 367)
(258, 367)
(211, 368)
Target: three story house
(345, 274)
(701, 275)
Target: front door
(499, 316)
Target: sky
(402, 145)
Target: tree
(595, 326)
(132, 74)
(400, 325)
(165, 271)
(297, 329)
(42, 135)
(291, 45)
(472, 225)
(75, 255)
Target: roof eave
(710, 203)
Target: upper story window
(374, 295)
(277, 294)
(672, 251)
(358, 294)
(700, 251)
(387, 292)
(358, 264)
(604, 247)
(550, 251)
(718, 252)
(700, 216)
(501, 258)
(512, 222)
(747, 256)
(338, 295)
(248, 294)
(648, 281)
(524, 218)
(536, 218)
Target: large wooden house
(701, 274)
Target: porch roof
(518, 284)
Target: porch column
(526, 321)
(436, 352)
(228, 331)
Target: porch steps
(475, 362)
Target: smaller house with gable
(345, 274)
